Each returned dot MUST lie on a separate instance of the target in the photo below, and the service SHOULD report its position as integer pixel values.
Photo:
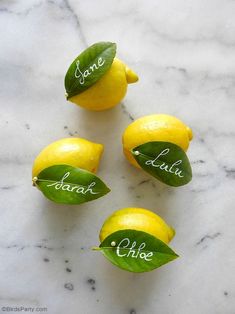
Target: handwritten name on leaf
(165, 161)
(133, 251)
(164, 166)
(60, 185)
(70, 185)
(82, 75)
(136, 251)
(89, 67)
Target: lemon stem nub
(131, 76)
(34, 180)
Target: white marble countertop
(184, 53)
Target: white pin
(113, 243)
(34, 180)
(137, 153)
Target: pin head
(34, 180)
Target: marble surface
(184, 53)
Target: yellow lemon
(76, 152)
(109, 90)
(156, 127)
(139, 219)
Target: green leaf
(89, 67)
(136, 251)
(165, 161)
(69, 185)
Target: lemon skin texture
(139, 219)
(76, 152)
(157, 127)
(109, 90)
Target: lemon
(76, 152)
(109, 90)
(157, 127)
(139, 219)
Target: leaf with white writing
(70, 185)
(165, 161)
(89, 67)
(136, 251)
